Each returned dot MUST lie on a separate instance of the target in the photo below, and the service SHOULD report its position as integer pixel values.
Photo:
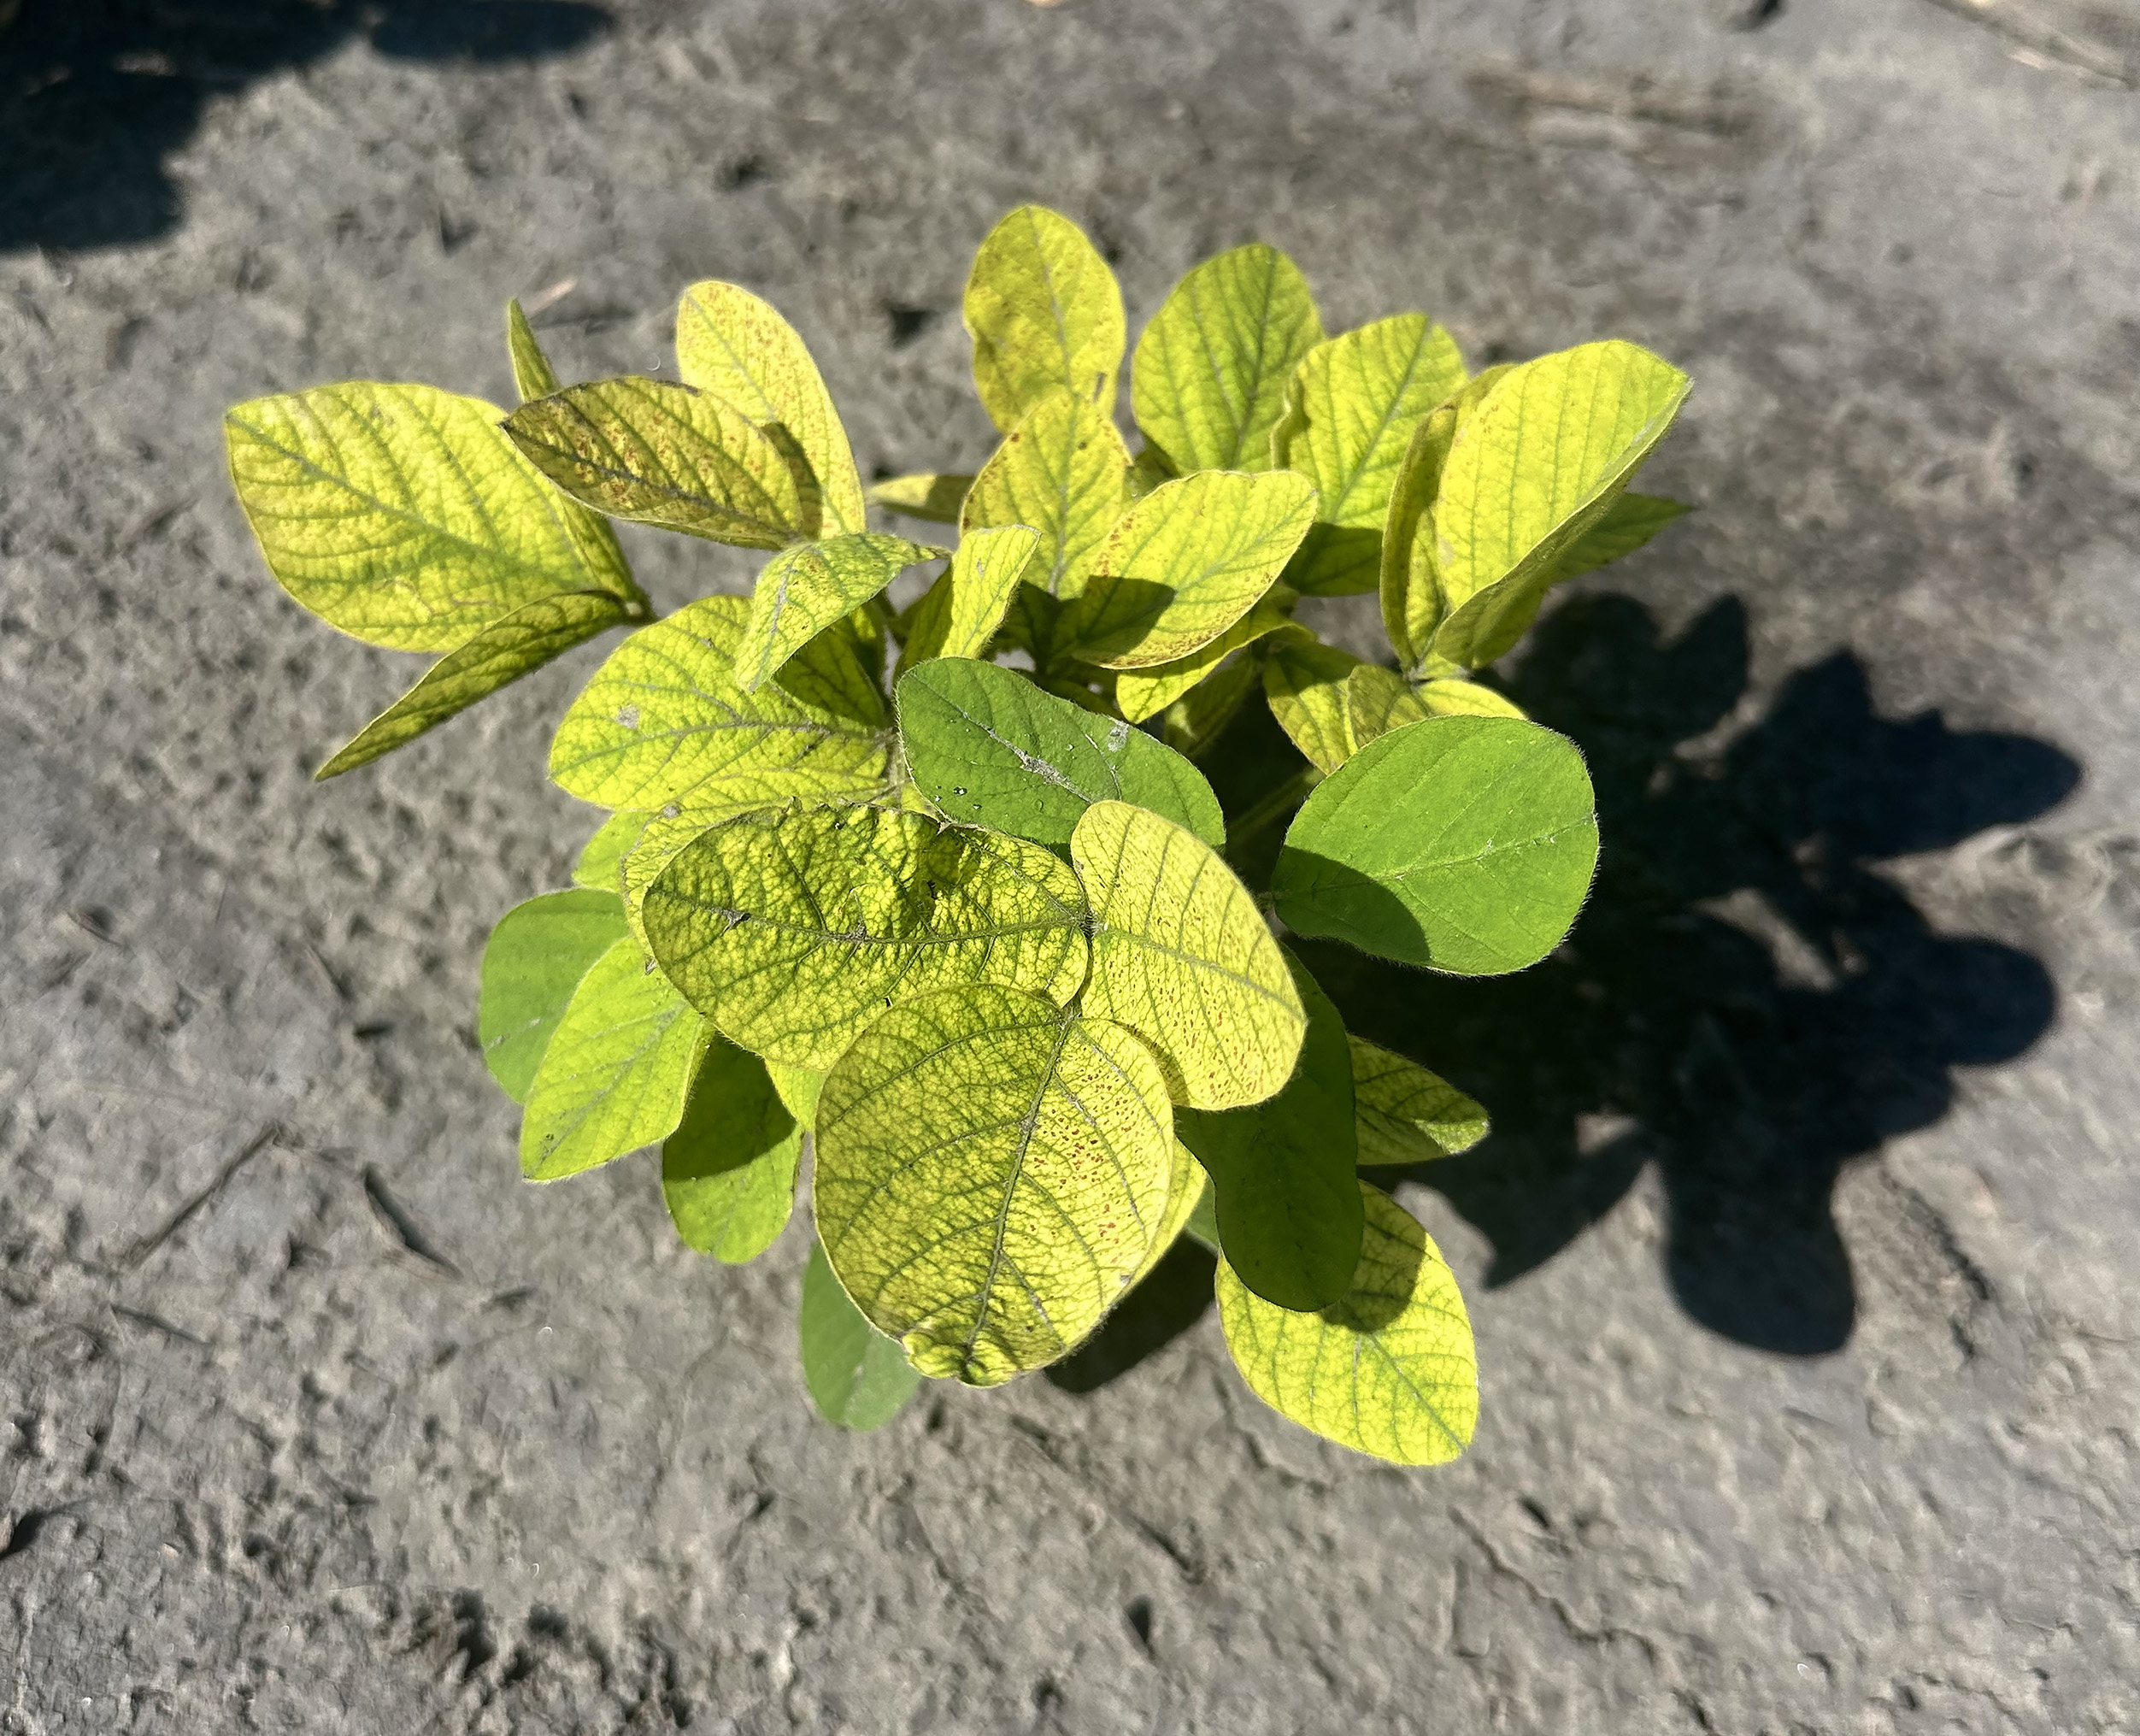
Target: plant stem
(1274, 806)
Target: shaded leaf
(1194, 722)
(1185, 1191)
(1304, 679)
(1454, 699)
(1376, 701)
(1142, 692)
(1412, 601)
(1407, 1115)
(1629, 522)
(807, 589)
(533, 961)
(936, 497)
(728, 1170)
(1044, 314)
(959, 616)
(857, 1376)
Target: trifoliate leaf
(1376, 701)
(1454, 699)
(1407, 1115)
(1630, 521)
(735, 346)
(1412, 601)
(960, 614)
(532, 635)
(936, 497)
(1530, 475)
(1390, 1368)
(1186, 563)
(601, 864)
(1352, 407)
(728, 1170)
(663, 722)
(1288, 1202)
(1142, 692)
(1208, 378)
(798, 1087)
(1304, 679)
(615, 1073)
(1044, 314)
(1064, 471)
(1181, 955)
(1185, 1191)
(857, 1376)
(534, 960)
(808, 588)
(992, 1170)
(792, 931)
(667, 455)
(533, 375)
(987, 746)
(1463, 844)
(400, 515)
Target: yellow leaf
(1044, 314)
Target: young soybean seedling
(970, 932)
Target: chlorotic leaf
(808, 588)
(1304, 679)
(1454, 699)
(1407, 1115)
(601, 864)
(655, 847)
(728, 1170)
(1462, 843)
(533, 962)
(1376, 701)
(1528, 476)
(1630, 521)
(665, 454)
(733, 345)
(532, 635)
(400, 515)
(798, 1087)
(840, 672)
(991, 1173)
(533, 375)
(1141, 694)
(857, 1376)
(1208, 378)
(1354, 404)
(663, 722)
(1185, 1191)
(1185, 563)
(1064, 473)
(1390, 1368)
(615, 1073)
(792, 931)
(988, 747)
(1412, 601)
(935, 496)
(959, 616)
(1282, 1170)
(1182, 956)
(1044, 314)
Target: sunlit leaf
(991, 1171)
(1407, 1115)
(959, 616)
(728, 1170)
(1142, 692)
(1454, 699)
(1064, 471)
(534, 960)
(857, 1376)
(808, 588)
(936, 497)
(1412, 601)
(1378, 700)
(1185, 1191)
(1390, 1368)
(533, 375)
(1182, 956)
(1304, 679)
(1044, 314)
(601, 863)
(798, 1087)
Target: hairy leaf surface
(728, 1170)
(533, 961)
(1406, 1114)
(991, 1171)
(1390, 1368)
(936, 497)
(1063, 472)
(857, 1376)
(1044, 314)
(960, 614)
(808, 588)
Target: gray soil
(1802, 1259)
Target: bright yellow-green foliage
(992, 1170)
(981, 933)
(1389, 1368)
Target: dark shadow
(1170, 1301)
(95, 94)
(1746, 1002)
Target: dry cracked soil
(1802, 1256)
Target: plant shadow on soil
(96, 94)
(1746, 1002)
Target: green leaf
(1406, 1114)
(792, 931)
(934, 496)
(601, 864)
(1185, 1191)
(798, 1087)
(1390, 1368)
(1353, 405)
(400, 515)
(1412, 601)
(1182, 956)
(533, 962)
(1453, 698)
(737, 348)
(665, 454)
(1194, 722)
(728, 1170)
(1064, 471)
(1304, 679)
(1529, 475)
(806, 589)
(533, 375)
(1044, 314)
(959, 616)
(1376, 701)
(1204, 1220)
(663, 722)
(530, 637)
(1462, 843)
(990, 1172)
(987, 746)
(1630, 521)
(1288, 1205)
(1186, 563)
(1209, 376)
(1141, 694)
(615, 1073)
(857, 1376)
